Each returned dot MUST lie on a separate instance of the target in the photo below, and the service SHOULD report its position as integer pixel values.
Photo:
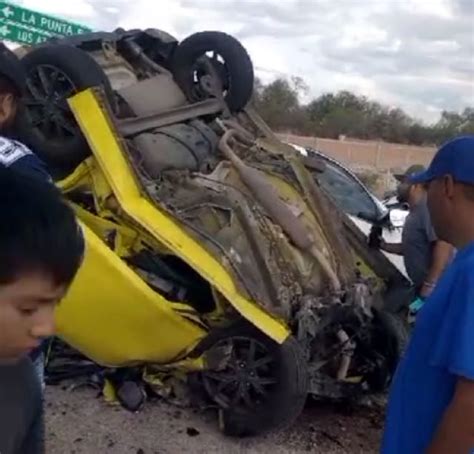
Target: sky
(413, 54)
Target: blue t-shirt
(440, 351)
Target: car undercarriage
(275, 289)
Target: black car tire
(391, 336)
(286, 400)
(238, 66)
(61, 153)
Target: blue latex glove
(416, 305)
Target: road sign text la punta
(46, 23)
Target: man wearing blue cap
(425, 256)
(431, 405)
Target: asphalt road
(80, 422)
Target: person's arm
(391, 248)
(32, 166)
(452, 353)
(455, 433)
(376, 241)
(20, 158)
(441, 256)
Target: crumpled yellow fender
(113, 317)
(97, 126)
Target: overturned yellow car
(211, 251)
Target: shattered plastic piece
(109, 393)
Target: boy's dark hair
(12, 73)
(6, 86)
(38, 230)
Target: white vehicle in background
(358, 202)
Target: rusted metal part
(152, 96)
(257, 120)
(362, 298)
(327, 268)
(162, 193)
(347, 354)
(212, 83)
(278, 210)
(232, 124)
(343, 260)
(275, 146)
(138, 53)
(132, 126)
(307, 321)
(246, 220)
(258, 272)
(267, 195)
(251, 226)
(317, 203)
(323, 386)
(275, 276)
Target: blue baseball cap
(455, 158)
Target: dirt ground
(79, 422)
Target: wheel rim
(248, 378)
(46, 104)
(203, 75)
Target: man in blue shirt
(431, 405)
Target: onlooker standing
(431, 405)
(12, 87)
(425, 256)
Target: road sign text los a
(22, 35)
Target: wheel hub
(247, 378)
(48, 90)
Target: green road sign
(40, 24)
(22, 35)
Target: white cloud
(82, 8)
(418, 54)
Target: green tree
(277, 102)
(345, 113)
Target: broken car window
(347, 192)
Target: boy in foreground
(13, 153)
(41, 249)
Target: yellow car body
(213, 256)
(110, 314)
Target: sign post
(25, 26)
